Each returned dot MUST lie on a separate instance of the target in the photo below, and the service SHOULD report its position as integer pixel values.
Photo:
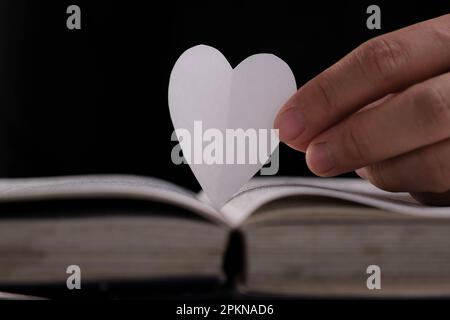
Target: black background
(95, 100)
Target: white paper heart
(204, 87)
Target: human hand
(383, 110)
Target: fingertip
(319, 159)
(290, 124)
(362, 173)
(297, 145)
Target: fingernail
(362, 172)
(290, 123)
(319, 158)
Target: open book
(281, 236)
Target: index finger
(383, 65)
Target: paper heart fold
(205, 92)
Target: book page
(106, 186)
(260, 191)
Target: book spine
(234, 263)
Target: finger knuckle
(380, 58)
(440, 30)
(356, 143)
(432, 108)
(325, 88)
